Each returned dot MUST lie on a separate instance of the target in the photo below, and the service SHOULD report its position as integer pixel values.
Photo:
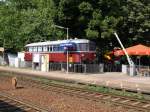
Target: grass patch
(116, 92)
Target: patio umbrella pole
(131, 64)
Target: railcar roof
(57, 42)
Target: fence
(78, 68)
(140, 70)
(143, 70)
(112, 67)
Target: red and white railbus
(79, 50)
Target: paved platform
(112, 79)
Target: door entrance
(45, 62)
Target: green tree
(26, 21)
(134, 27)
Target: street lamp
(3, 50)
(61, 27)
(66, 28)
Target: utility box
(17, 62)
(36, 62)
(124, 69)
(21, 56)
(132, 70)
(11, 59)
(101, 68)
(36, 58)
(20, 62)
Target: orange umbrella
(134, 50)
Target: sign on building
(1, 49)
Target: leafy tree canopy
(26, 21)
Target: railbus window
(40, 49)
(61, 48)
(50, 48)
(56, 48)
(45, 48)
(35, 49)
(53, 48)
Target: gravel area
(57, 102)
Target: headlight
(82, 55)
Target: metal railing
(77, 68)
(112, 67)
(140, 70)
(55, 66)
(143, 70)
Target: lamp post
(3, 49)
(67, 51)
(66, 28)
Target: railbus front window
(27, 49)
(30, 49)
(83, 47)
(92, 46)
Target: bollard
(108, 85)
(122, 87)
(138, 89)
(14, 82)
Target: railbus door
(45, 62)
